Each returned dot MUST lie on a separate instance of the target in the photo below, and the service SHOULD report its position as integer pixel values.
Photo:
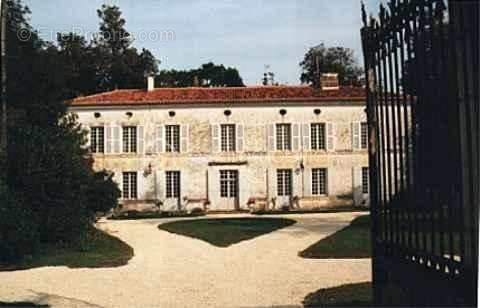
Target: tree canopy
(339, 60)
(208, 75)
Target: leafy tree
(208, 75)
(50, 185)
(330, 60)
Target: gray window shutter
(215, 138)
(159, 138)
(184, 138)
(357, 185)
(116, 139)
(296, 137)
(109, 139)
(306, 137)
(160, 183)
(240, 137)
(272, 178)
(140, 139)
(330, 183)
(356, 135)
(271, 137)
(141, 183)
(307, 180)
(330, 136)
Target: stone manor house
(230, 148)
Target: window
(319, 181)
(228, 183)
(172, 136)
(173, 184)
(228, 137)
(284, 182)
(129, 139)
(318, 136)
(364, 135)
(97, 139)
(129, 185)
(284, 137)
(365, 177)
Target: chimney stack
(150, 84)
(329, 81)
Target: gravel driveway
(169, 270)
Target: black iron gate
(421, 59)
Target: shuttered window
(364, 135)
(284, 137)
(129, 139)
(317, 136)
(284, 182)
(319, 181)
(365, 178)
(172, 180)
(228, 137)
(172, 138)
(97, 139)
(129, 185)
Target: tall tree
(320, 59)
(208, 75)
(119, 65)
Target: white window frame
(283, 137)
(318, 133)
(284, 182)
(129, 185)
(228, 137)
(172, 184)
(129, 139)
(365, 180)
(97, 139)
(172, 138)
(319, 178)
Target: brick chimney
(150, 84)
(329, 82)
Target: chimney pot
(329, 81)
(150, 83)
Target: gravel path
(174, 271)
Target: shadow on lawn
(223, 232)
(352, 241)
(99, 250)
(349, 295)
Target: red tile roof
(220, 95)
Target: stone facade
(201, 160)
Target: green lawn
(226, 231)
(349, 295)
(352, 241)
(99, 250)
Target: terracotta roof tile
(218, 95)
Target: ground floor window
(284, 182)
(228, 183)
(173, 184)
(129, 185)
(319, 181)
(365, 177)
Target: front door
(284, 187)
(229, 189)
(172, 191)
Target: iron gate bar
(423, 114)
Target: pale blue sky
(247, 34)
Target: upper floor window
(172, 138)
(130, 139)
(317, 136)
(365, 177)
(97, 139)
(319, 181)
(129, 185)
(364, 135)
(284, 137)
(227, 137)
